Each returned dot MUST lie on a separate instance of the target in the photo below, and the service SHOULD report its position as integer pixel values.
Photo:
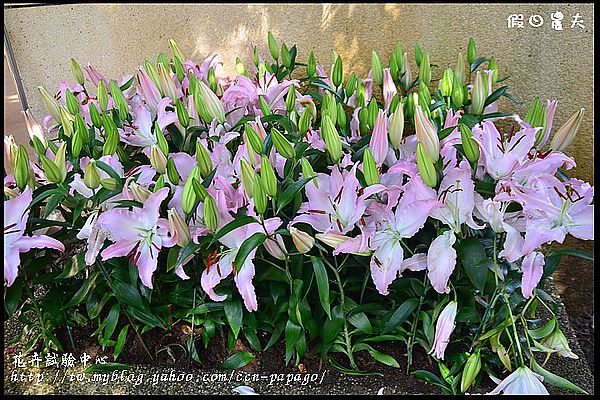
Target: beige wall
(116, 38)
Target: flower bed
(312, 206)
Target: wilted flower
(443, 329)
(521, 381)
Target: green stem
(411, 340)
(514, 328)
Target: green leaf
(474, 261)
(575, 253)
(121, 341)
(292, 334)
(543, 331)
(111, 322)
(108, 169)
(73, 266)
(237, 360)
(496, 94)
(187, 251)
(83, 291)
(332, 326)
(322, 284)
(477, 62)
(128, 294)
(555, 380)
(12, 296)
(445, 132)
(127, 84)
(377, 355)
(107, 367)
(290, 192)
(361, 322)
(235, 314)
(236, 223)
(246, 248)
(431, 378)
(401, 314)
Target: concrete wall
(116, 38)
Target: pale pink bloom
(389, 88)
(94, 75)
(532, 268)
(443, 329)
(521, 381)
(148, 91)
(441, 260)
(16, 213)
(379, 143)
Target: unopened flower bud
(276, 247)
(72, 102)
(109, 183)
(373, 113)
(91, 176)
(172, 173)
(457, 93)
(331, 138)
(50, 103)
(102, 95)
(447, 81)
(82, 129)
(427, 134)
(379, 143)
(159, 184)
(21, 169)
(247, 176)
(470, 146)
(175, 49)
(76, 143)
(307, 170)
(239, 67)
(211, 214)
(493, 65)
(273, 48)
(406, 79)
(178, 224)
(471, 51)
(255, 55)
(60, 160)
(286, 58)
(119, 99)
(566, 133)
(138, 192)
(470, 372)
(311, 66)
(166, 82)
(459, 69)
(95, 116)
(304, 122)
(252, 138)
(66, 120)
(188, 195)
(389, 88)
(335, 239)
(426, 166)
(351, 85)
(212, 80)
(152, 73)
(425, 70)
(267, 174)
(77, 72)
(282, 145)
(534, 110)
(418, 54)
(302, 240)
(203, 159)
(396, 126)
(479, 93)
(329, 107)
(199, 189)
(376, 68)
(158, 159)
(342, 119)
(182, 113)
(370, 168)
(394, 68)
(290, 99)
(259, 194)
(338, 72)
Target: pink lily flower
(443, 329)
(533, 268)
(139, 234)
(16, 213)
(214, 274)
(521, 381)
(389, 88)
(441, 260)
(379, 143)
(502, 156)
(148, 91)
(94, 75)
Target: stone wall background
(116, 38)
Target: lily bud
(290, 100)
(447, 81)
(264, 106)
(212, 79)
(276, 247)
(182, 113)
(399, 51)
(406, 79)
(331, 138)
(286, 58)
(338, 72)
(376, 68)
(77, 143)
(159, 184)
(470, 146)
(138, 192)
(152, 73)
(179, 71)
(307, 170)
(166, 82)
(373, 109)
(360, 93)
(255, 55)
(175, 50)
(239, 67)
(61, 162)
(389, 88)
(72, 102)
(203, 158)
(247, 177)
(363, 119)
(50, 103)
(557, 342)
(95, 116)
(161, 140)
(457, 93)
(566, 133)
(335, 239)
(172, 173)
(379, 144)
(351, 85)
(21, 169)
(393, 104)
(532, 112)
(302, 240)
(158, 159)
(370, 168)
(471, 370)
(211, 214)
(282, 145)
(259, 194)
(200, 190)
(178, 224)
(424, 97)
(208, 104)
(311, 65)
(471, 51)
(91, 176)
(77, 72)
(396, 126)
(111, 143)
(493, 65)
(50, 169)
(268, 177)
(102, 95)
(188, 195)
(394, 69)
(109, 183)
(329, 107)
(427, 134)
(342, 120)
(425, 70)
(443, 329)
(418, 54)
(119, 99)
(273, 48)
(252, 139)
(479, 94)
(66, 120)
(34, 129)
(81, 129)
(426, 166)
(459, 69)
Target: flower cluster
(276, 164)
